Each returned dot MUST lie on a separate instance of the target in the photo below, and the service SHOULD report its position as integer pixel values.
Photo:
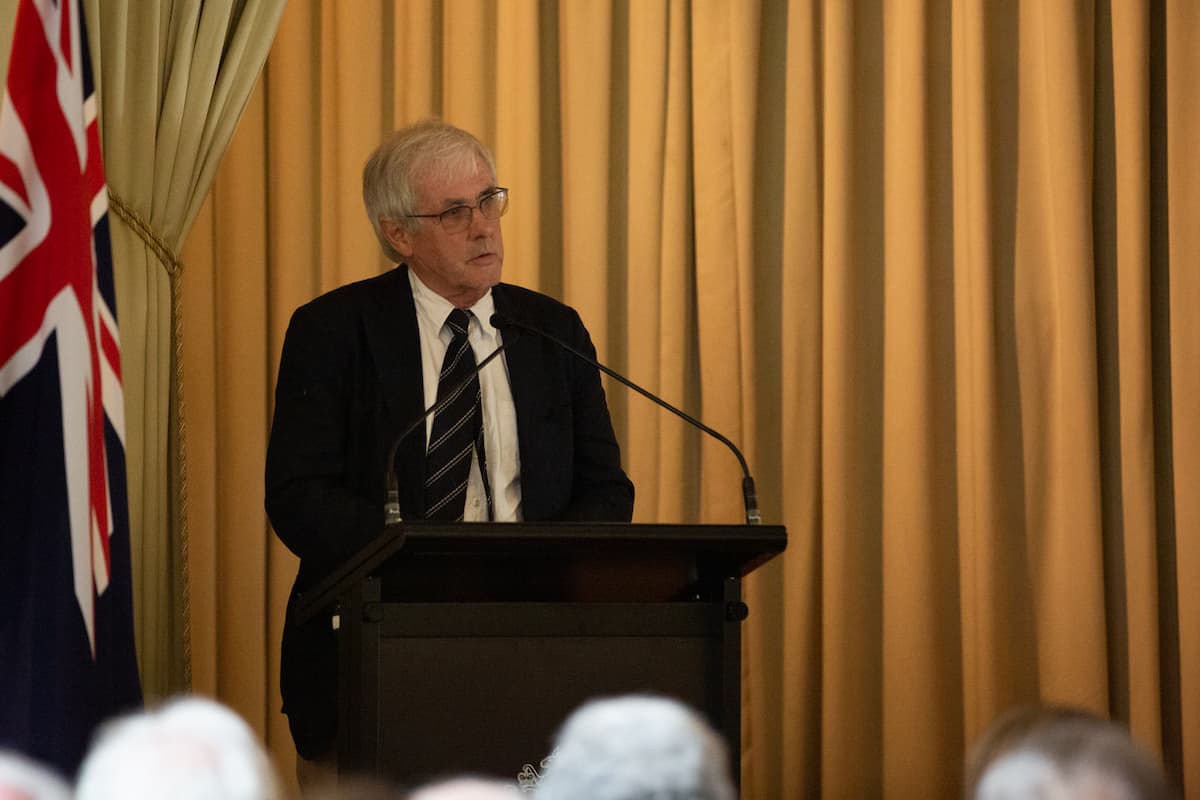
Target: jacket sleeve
(314, 510)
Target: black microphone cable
(749, 496)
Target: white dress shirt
(499, 412)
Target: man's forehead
(459, 181)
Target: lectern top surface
(732, 550)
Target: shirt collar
(434, 308)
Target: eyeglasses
(458, 218)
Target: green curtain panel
(173, 79)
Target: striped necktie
(456, 428)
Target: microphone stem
(673, 410)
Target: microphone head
(503, 322)
(512, 330)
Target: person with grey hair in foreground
(467, 788)
(188, 749)
(637, 748)
(1059, 753)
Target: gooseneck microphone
(749, 496)
(391, 509)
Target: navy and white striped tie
(457, 428)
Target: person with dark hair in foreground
(1060, 753)
(637, 748)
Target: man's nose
(481, 225)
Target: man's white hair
(637, 748)
(188, 749)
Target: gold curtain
(931, 263)
(172, 78)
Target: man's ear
(398, 236)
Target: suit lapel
(525, 375)
(533, 394)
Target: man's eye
(456, 213)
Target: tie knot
(459, 321)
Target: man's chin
(485, 272)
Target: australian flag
(67, 656)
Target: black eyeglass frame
(449, 217)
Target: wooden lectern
(463, 647)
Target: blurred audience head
(22, 778)
(637, 748)
(467, 788)
(1060, 753)
(188, 749)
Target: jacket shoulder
(352, 296)
(529, 305)
(342, 311)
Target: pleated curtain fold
(932, 264)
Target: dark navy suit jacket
(349, 382)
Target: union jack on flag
(66, 631)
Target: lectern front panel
(482, 687)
